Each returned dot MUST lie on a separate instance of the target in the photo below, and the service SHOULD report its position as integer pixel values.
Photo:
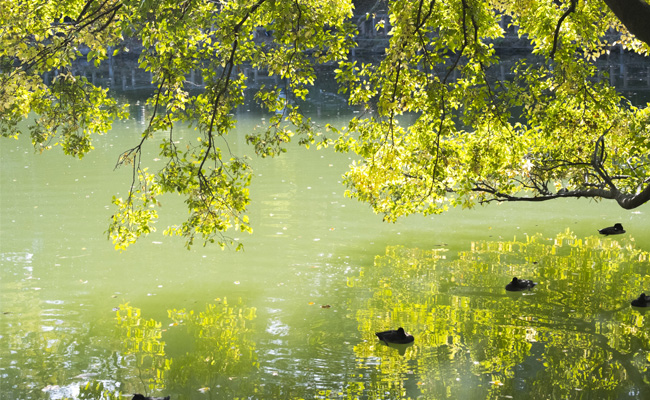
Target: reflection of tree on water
(220, 349)
(575, 329)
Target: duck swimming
(617, 229)
(138, 396)
(398, 336)
(642, 301)
(517, 285)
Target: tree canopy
(552, 128)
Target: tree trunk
(634, 14)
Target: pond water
(294, 314)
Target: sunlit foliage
(213, 38)
(551, 127)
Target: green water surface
(294, 314)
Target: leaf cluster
(446, 122)
(474, 134)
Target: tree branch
(597, 162)
(556, 35)
(605, 188)
(626, 201)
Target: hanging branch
(225, 77)
(421, 20)
(569, 10)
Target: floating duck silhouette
(398, 336)
(517, 285)
(138, 396)
(642, 301)
(617, 229)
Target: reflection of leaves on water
(219, 346)
(576, 329)
(223, 344)
(142, 338)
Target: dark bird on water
(642, 301)
(138, 396)
(517, 285)
(617, 229)
(396, 336)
